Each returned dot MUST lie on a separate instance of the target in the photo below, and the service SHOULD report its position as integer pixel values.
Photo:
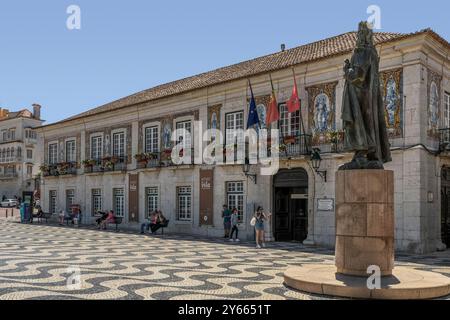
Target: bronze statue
(362, 108)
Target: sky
(124, 47)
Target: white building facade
(19, 151)
(95, 159)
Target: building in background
(19, 151)
(116, 156)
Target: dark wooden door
(281, 215)
(299, 217)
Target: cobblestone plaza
(36, 261)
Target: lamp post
(246, 170)
(316, 160)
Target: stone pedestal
(364, 221)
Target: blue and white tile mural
(434, 85)
(392, 89)
(322, 118)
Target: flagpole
(300, 112)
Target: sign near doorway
(206, 196)
(325, 204)
(133, 198)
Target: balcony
(8, 175)
(59, 169)
(295, 146)
(158, 159)
(107, 164)
(14, 159)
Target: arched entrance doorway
(290, 205)
(445, 205)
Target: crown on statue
(365, 35)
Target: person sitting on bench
(151, 220)
(111, 218)
(38, 215)
(102, 218)
(160, 220)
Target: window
(184, 202)
(289, 123)
(151, 139)
(184, 138)
(70, 199)
(446, 110)
(29, 170)
(4, 135)
(152, 199)
(235, 197)
(96, 200)
(97, 147)
(12, 134)
(29, 154)
(234, 121)
(71, 155)
(119, 144)
(119, 201)
(52, 201)
(53, 153)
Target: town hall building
(118, 156)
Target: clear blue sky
(127, 46)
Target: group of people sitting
(155, 221)
(74, 217)
(105, 218)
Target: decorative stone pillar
(364, 221)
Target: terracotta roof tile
(337, 45)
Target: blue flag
(253, 113)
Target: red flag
(293, 103)
(272, 110)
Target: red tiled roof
(326, 48)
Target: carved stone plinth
(364, 221)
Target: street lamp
(246, 170)
(316, 160)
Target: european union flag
(253, 118)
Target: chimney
(36, 111)
(283, 47)
(3, 113)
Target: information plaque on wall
(325, 204)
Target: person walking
(234, 225)
(259, 218)
(226, 215)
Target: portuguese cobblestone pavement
(37, 260)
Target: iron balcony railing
(8, 175)
(444, 139)
(59, 169)
(295, 146)
(107, 164)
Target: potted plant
(141, 157)
(45, 169)
(88, 162)
(114, 159)
(289, 139)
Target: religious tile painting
(322, 118)
(214, 117)
(433, 105)
(166, 134)
(392, 90)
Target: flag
(293, 103)
(253, 113)
(272, 110)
